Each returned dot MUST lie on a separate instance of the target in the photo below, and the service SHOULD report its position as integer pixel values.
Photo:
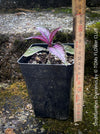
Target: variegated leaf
(53, 33)
(45, 32)
(69, 49)
(40, 37)
(58, 50)
(33, 50)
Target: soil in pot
(47, 58)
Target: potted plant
(48, 75)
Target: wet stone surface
(16, 111)
(25, 22)
(22, 122)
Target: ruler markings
(79, 29)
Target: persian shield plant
(57, 49)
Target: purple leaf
(58, 51)
(38, 37)
(46, 36)
(45, 33)
(52, 34)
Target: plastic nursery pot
(49, 87)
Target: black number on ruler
(79, 63)
(79, 73)
(79, 58)
(79, 52)
(80, 34)
(80, 41)
(81, 21)
(79, 68)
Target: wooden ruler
(79, 47)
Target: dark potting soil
(47, 58)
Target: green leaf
(33, 50)
(69, 49)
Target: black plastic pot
(49, 87)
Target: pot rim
(18, 61)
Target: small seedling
(56, 49)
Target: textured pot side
(49, 87)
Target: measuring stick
(79, 56)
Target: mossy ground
(67, 10)
(87, 125)
(91, 13)
(13, 97)
(91, 31)
(18, 90)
